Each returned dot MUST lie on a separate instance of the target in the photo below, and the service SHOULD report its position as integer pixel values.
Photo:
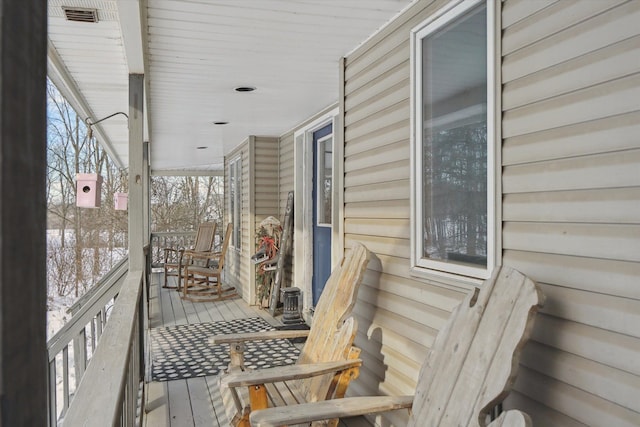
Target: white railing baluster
(53, 406)
(94, 342)
(80, 355)
(65, 379)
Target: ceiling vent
(77, 14)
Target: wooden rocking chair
(202, 274)
(327, 363)
(174, 257)
(469, 370)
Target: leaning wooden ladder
(283, 256)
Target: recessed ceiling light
(202, 147)
(245, 89)
(221, 123)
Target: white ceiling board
(93, 59)
(195, 52)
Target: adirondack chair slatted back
(333, 330)
(472, 364)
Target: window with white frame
(453, 140)
(235, 201)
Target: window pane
(324, 190)
(454, 141)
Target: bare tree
(180, 203)
(71, 151)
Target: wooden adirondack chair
(327, 362)
(469, 370)
(202, 274)
(174, 257)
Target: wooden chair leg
(258, 397)
(244, 421)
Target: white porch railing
(78, 338)
(169, 239)
(108, 392)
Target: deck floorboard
(196, 401)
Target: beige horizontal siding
(394, 190)
(570, 206)
(600, 31)
(604, 205)
(378, 209)
(607, 170)
(515, 11)
(388, 117)
(545, 416)
(395, 94)
(259, 200)
(613, 313)
(550, 21)
(598, 275)
(265, 197)
(606, 241)
(607, 383)
(598, 345)
(285, 170)
(612, 63)
(603, 135)
(394, 70)
(382, 136)
(375, 157)
(606, 99)
(582, 406)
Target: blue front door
(322, 205)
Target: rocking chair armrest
(258, 336)
(328, 409)
(286, 373)
(167, 250)
(191, 254)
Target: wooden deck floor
(195, 401)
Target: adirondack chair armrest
(328, 409)
(257, 336)
(286, 373)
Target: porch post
(137, 170)
(23, 289)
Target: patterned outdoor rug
(183, 351)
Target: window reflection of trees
(455, 194)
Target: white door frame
(303, 204)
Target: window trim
(235, 201)
(318, 186)
(455, 273)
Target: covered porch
(562, 169)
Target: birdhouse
(88, 190)
(120, 201)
